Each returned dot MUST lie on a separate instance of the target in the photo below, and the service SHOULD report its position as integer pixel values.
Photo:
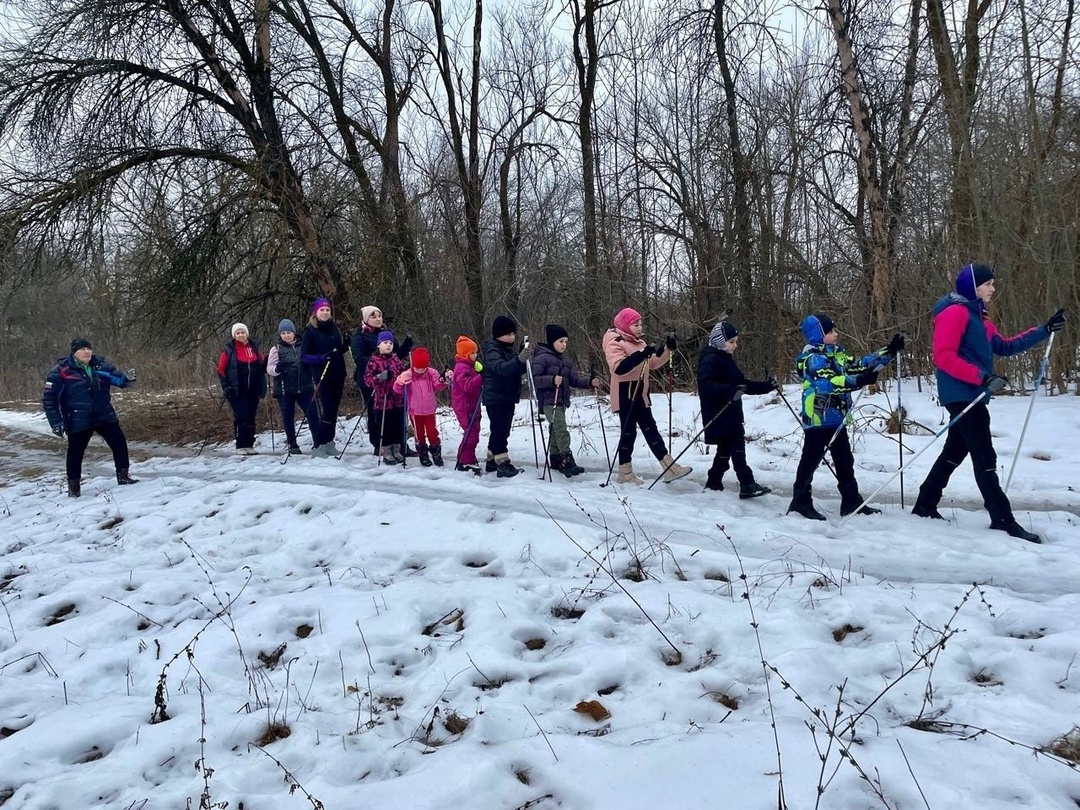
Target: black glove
(770, 381)
(525, 354)
(1057, 321)
(738, 393)
(995, 384)
(671, 343)
(383, 375)
(648, 351)
(407, 344)
(866, 378)
(59, 430)
(896, 345)
(229, 392)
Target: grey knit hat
(286, 326)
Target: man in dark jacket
(721, 385)
(503, 367)
(76, 402)
(965, 342)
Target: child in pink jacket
(422, 382)
(629, 360)
(467, 383)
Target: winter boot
(571, 465)
(491, 465)
(862, 510)
(673, 471)
(714, 481)
(422, 451)
(294, 450)
(436, 454)
(396, 455)
(1014, 529)
(122, 477)
(924, 511)
(505, 468)
(473, 468)
(556, 463)
(626, 475)
(805, 507)
(74, 488)
(752, 490)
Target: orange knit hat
(466, 346)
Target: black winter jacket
(502, 373)
(79, 401)
(364, 343)
(547, 364)
(321, 345)
(718, 378)
(290, 378)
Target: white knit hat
(236, 327)
(367, 312)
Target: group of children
(399, 386)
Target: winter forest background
(170, 166)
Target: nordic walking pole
(270, 418)
(532, 395)
(780, 391)
(532, 414)
(363, 411)
(600, 413)
(691, 443)
(382, 430)
(315, 402)
(870, 498)
(670, 387)
(900, 422)
(1031, 404)
(217, 413)
(468, 430)
(404, 426)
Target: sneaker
(807, 510)
(754, 490)
(926, 512)
(1014, 529)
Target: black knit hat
(79, 343)
(722, 333)
(553, 332)
(502, 326)
(970, 277)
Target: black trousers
(635, 414)
(322, 412)
(731, 452)
(369, 407)
(78, 442)
(815, 440)
(500, 417)
(970, 436)
(288, 404)
(389, 426)
(245, 407)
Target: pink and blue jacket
(965, 342)
(422, 387)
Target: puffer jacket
(422, 386)
(719, 376)
(965, 342)
(285, 367)
(547, 364)
(322, 353)
(242, 369)
(384, 397)
(624, 355)
(77, 398)
(465, 391)
(364, 345)
(829, 375)
(502, 373)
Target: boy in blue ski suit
(829, 375)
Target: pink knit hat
(625, 318)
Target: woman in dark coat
(363, 345)
(721, 385)
(76, 402)
(322, 350)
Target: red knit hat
(466, 346)
(420, 358)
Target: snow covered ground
(427, 639)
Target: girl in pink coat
(630, 359)
(467, 384)
(422, 382)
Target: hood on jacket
(815, 327)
